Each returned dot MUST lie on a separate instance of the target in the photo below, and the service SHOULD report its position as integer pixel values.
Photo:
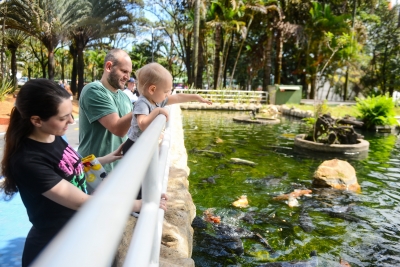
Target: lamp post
(152, 38)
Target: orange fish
(209, 217)
(344, 263)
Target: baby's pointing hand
(202, 100)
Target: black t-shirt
(38, 167)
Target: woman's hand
(163, 202)
(113, 156)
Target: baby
(154, 85)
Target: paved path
(14, 222)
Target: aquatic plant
(378, 110)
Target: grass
(336, 111)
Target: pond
(362, 229)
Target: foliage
(6, 87)
(377, 110)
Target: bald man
(105, 112)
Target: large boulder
(336, 174)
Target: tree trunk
(13, 51)
(196, 30)
(240, 50)
(44, 65)
(279, 51)
(313, 85)
(73, 51)
(199, 77)
(268, 62)
(188, 59)
(62, 67)
(81, 70)
(50, 62)
(222, 63)
(346, 84)
(217, 51)
(228, 52)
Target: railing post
(139, 251)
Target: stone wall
(177, 236)
(219, 106)
(283, 109)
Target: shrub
(378, 110)
(6, 87)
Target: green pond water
(371, 240)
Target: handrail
(92, 236)
(228, 95)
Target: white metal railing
(226, 96)
(92, 236)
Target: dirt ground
(8, 104)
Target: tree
(322, 21)
(13, 39)
(47, 20)
(102, 19)
(384, 42)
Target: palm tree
(13, 39)
(322, 21)
(225, 21)
(95, 61)
(255, 7)
(47, 20)
(104, 18)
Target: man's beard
(113, 79)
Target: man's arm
(182, 98)
(116, 125)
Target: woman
(39, 164)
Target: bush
(6, 87)
(378, 110)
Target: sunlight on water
(363, 229)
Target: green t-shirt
(95, 102)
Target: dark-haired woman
(39, 164)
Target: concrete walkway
(14, 222)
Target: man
(105, 112)
(130, 90)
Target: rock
(125, 242)
(305, 221)
(199, 223)
(312, 262)
(336, 174)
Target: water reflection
(363, 229)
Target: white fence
(92, 236)
(229, 96)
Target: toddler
(154, 85)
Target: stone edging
(258, 120)
(219, 106)
(294, 112)
(299, 141)
(177, 235)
